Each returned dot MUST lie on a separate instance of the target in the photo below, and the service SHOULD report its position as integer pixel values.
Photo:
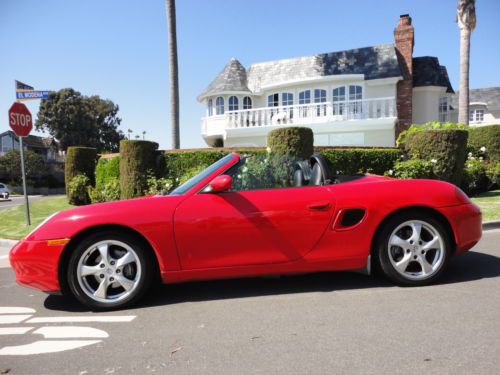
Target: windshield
(181, 189)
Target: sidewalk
(5, 246)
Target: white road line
(14, 330)
(9, 319)
(70, 332)
(46, 346)
(78, 319)
(16, 310)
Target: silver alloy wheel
(109, 271)
(416, 250)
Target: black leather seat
(320, 172)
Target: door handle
(319, 206)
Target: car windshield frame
(194, 181)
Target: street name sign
(26, 95)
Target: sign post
(21, 123)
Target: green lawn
(490, 204)
(12, 219)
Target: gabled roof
(233, 78)
(33, 141)
(428, 72)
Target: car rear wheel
(109, 270)
(414, 249)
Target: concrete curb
(488, 225)
(5, 200)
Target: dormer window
(233, 103)
(247, 102)
(443, 109)
(476, 115)
(219, 106)
(210, 107)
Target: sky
(117, 49)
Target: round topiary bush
(292, 141)
(136, 159)
(80, 161)
(447, 149)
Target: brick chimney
(404, 36)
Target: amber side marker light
(59, 241)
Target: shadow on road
(464, 268)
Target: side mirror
(221, 183)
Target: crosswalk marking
(9, 319)
(79, 319)
(70, 332)
(16, 310)
(14, 330)
(46, 346)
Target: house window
(219, 106)
(355, 96)
(320, 97)
(443, 109)
(247, 102)
(233, 103)
(338, 99)
(273, 100)
(210, 107)
(476, 115)
(305, 97)
(287, 98)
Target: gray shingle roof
(488, 95)
(428, 72)
(232, 78)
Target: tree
(10, 164)
(78, 120)
(466, 18)
(174, 73)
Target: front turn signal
(58, 242)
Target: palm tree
(143, 134)
(174, 72)
(130, 131)
(466, 18)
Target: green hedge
(353, 161)
(293, 141)
(107, 170)
(446, 148)
(137, 158)
(486, 136)
(80, 161)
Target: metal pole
(26, 202)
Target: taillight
(461, 196)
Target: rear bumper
(466, 224)
(36, 264)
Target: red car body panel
(218, 235)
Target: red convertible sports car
(212, 226)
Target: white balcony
(354, 115)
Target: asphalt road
(331, 323)
(16, 201)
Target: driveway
(343, 323)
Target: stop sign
(20, 119)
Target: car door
(238, 228)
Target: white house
(358, 97)
(484, 106)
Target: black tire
(143, 281)
(383, 260)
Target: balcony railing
(302, 114)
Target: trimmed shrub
(80, 161)
(293, 141)
(354, 161)
(413, 168)
(475, 179)
(158, 185)
(448, 148)
(493, 173)
(78, 190)
(108, 191)
(107, 170)
(136, 158)
(488, 137)
(432, 125)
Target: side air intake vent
(352, 217)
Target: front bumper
(466, 223)
(36, 264)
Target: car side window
(258, 172)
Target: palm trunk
(174, 73)
(463, 99)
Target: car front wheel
(109, 270)
(414, 249)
